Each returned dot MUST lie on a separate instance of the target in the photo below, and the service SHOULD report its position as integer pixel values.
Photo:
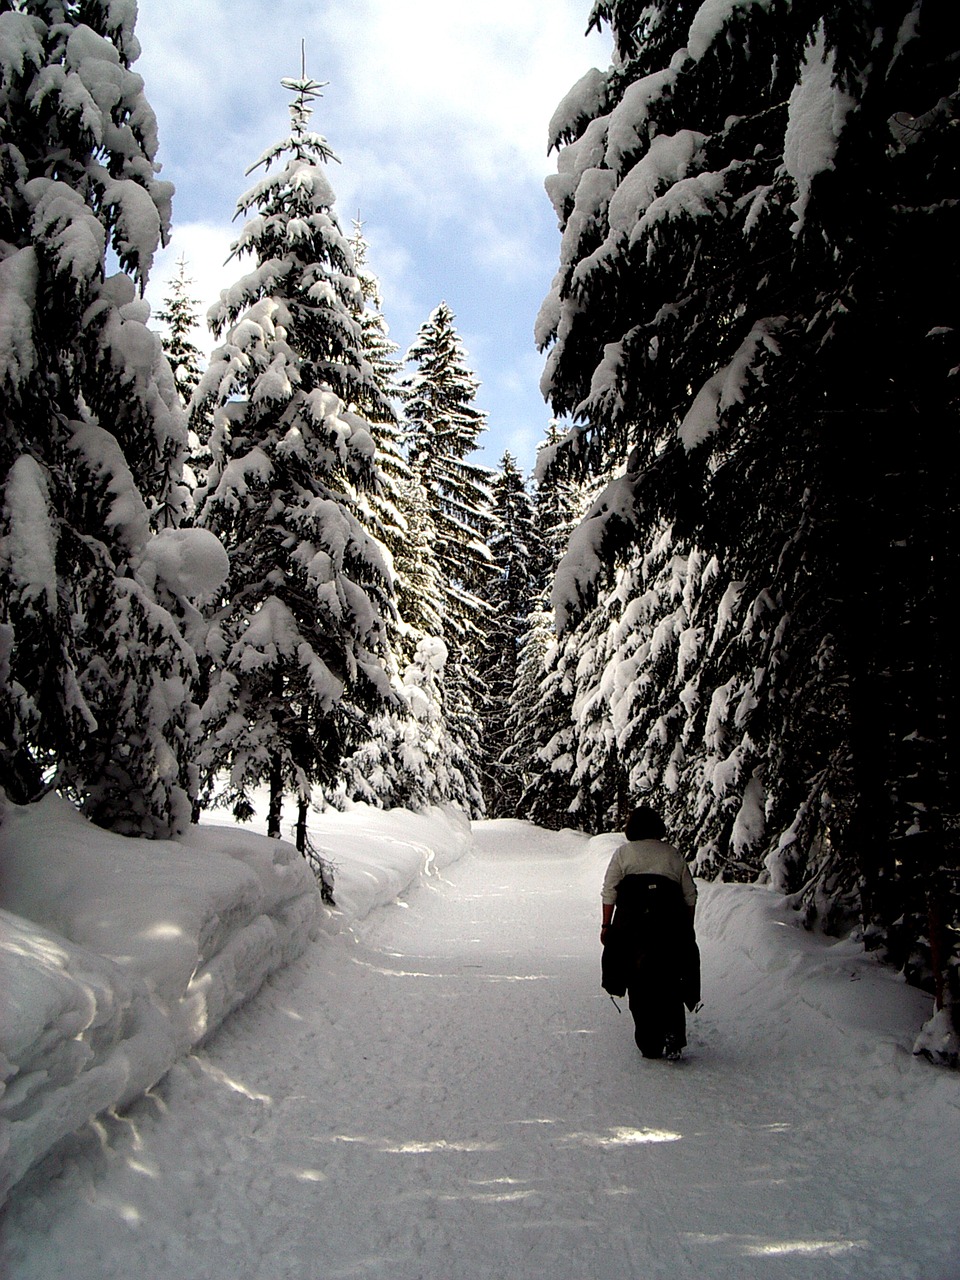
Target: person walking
(649, 945)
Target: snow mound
(78, 1034)
(119, 955)
(794, 992)
(376, 854)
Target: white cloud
(439, 112)
(204, 249)
(423, 84)
(485, 76)
(507, 248)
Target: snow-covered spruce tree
(542, 733)
(750, 199)
(408, 759)
(509, 595)
(442, 428)
(550, 791)
(600, 801)
(378, 348)
(298, 643)
(380, 409)
(411, 760)
(391, 768)
(385, 770)
(674, 637)
(399, 504)
(95, 695)
(654, 695)
(581, 755)
(419, 583)
(392, 510)
(180, 317)
(524, 734)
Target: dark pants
(657, 1007)
(651, 952)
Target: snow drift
(117, 955)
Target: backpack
(651, 936)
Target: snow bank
(376, 855)
(117, 956)
(78, 1034)
(787, 988)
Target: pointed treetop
(358, 244)
(306, 89)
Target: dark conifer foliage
(298, 644)
(755, 318)
(442, 429)
(542, 731)
(180, 318)
(95, 678)
(412, 757)
(510, 594)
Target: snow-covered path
(444, 1091)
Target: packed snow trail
(444, 1091)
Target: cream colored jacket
(647, 858)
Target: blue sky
(438, 112)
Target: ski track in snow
(444, 1090)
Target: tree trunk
(861, 569)
(276, 796)
(276, 761)
(302, 807)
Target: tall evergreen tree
(541, 728)
(550, 791)
(299, 641)
(525, 732)
(420, 593)
(442, 428)
(378, 348)
(380, 352)
(600, 801)
(393, 503)
(412, 759)
(392, 767)
(179, 315)
(180, 318)
(513, 549)
(750, 198)
(96, 677)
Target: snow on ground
(117, 956)
(439, 1088)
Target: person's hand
(603, 933)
